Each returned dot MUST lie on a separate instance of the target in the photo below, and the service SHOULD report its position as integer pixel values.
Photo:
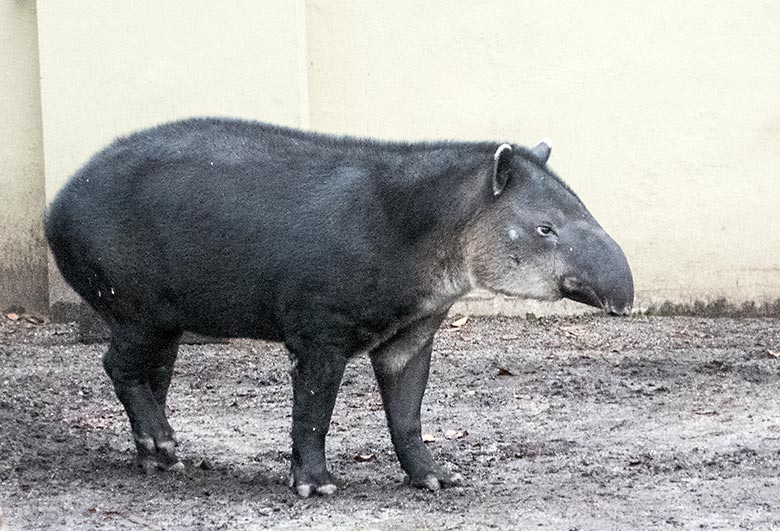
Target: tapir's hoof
(177, 467)
(322, 486)
(157, 455)
(307, 489)
(150, 465)
(434, 482)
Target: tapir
(334, 246)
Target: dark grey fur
(334, 246)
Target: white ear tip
(546, 141)
(501, 149)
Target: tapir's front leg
(316, 376)
(401, 366)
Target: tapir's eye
(544, 230)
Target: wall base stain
(92, 329)
(24, 285)
(717, 308)
(64, 312)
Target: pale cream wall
(22, 252)
(665, 115)
(109, 67)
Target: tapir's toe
(157, 453)
(147, 465)
(436, 481)
(454, 480)
(307, 489)
(151, 465)
(429, 482)
(327, 489)
(321, 484)
(178, 467)
(304, 490)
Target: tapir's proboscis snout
(594, 269)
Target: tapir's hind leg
(140, 367)
(160, 374)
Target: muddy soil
(583, 423)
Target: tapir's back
(205, 224)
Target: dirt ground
(582, 423)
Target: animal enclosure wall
(665, 116)
(111, 67)
(23, 282)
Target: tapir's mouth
(576, 290)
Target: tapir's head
(535, 239)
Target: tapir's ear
(501, 164)
(542, 150)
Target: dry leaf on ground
(96, 423)
(457, 323)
